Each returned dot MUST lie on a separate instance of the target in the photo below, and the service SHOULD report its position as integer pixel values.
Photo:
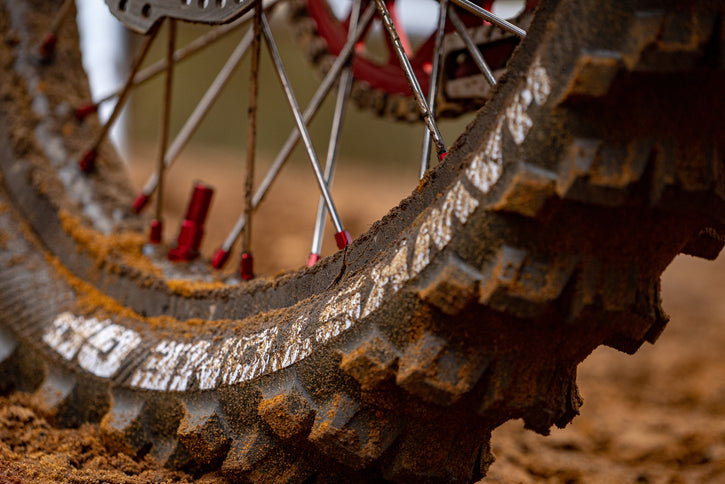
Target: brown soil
(31, 450)
(657, 416)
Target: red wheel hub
(387, 76)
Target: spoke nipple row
(343, 239)
(46, 49)
(312, 259)
(220, 258)
(84, 111)
(156, 231)
(192, 228)
(246, 267)
(140, 203)
(87, 163)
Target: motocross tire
(598, 158)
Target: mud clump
(32, 450)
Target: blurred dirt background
(655, 417)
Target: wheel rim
(326, 272)
(141, 290)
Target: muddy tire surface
(597, 160)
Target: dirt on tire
(657, 416)
(542, 390)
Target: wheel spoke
(157, 224)
(472, 48)
(341, 236)
(404, 40)
(87, 162)
(343, 92)
(247, 267)
(494, 19)
(181, 54)
(412, 80)
(46, 49)
(222, 254)
(340, 105)
(197, 116)
(434, 78)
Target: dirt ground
(655, 417)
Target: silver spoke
(340, 105)
(343, 92)
(433, 89)
(412, 80)
(340, 235)
(247, 266)
(87, 162)
(157, 224)
(472, 48)
(197, 116)
(46, 49)
(62, 15)
(188, 50)
(494, 19)
(222, 254)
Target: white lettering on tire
(101, 347)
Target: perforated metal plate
(141, 15)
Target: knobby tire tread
(561, 253)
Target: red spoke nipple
(46, 49)
(140, 203)
(192, 228)
(84, 111)
(87, 163)
(220, 258)
(157, 229)
(246, 267)
(312, 259)
(343, 239)
(442, 156)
